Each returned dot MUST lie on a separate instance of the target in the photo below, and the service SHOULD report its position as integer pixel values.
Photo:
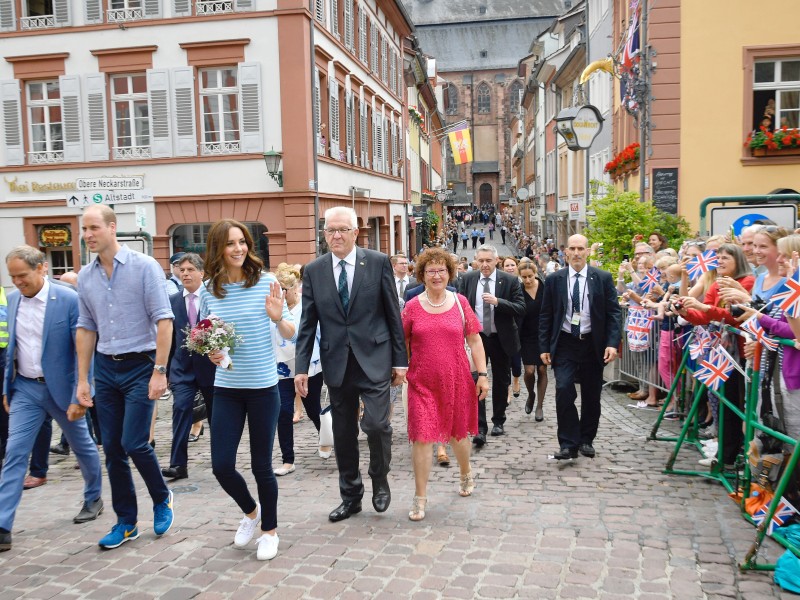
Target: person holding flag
(731, 264)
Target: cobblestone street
(610, 528)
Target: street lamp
(273, 160)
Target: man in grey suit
(350, 292)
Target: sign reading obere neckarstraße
(84, 184)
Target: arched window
(451, 99)
(484, 98)
(514, 96)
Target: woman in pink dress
(442, 396)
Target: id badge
(576, 319)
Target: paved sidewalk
(610, 528)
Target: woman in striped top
(239, 293)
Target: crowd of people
(378, 331)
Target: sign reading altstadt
(83, 199)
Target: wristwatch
(482, 374)
(161, 369)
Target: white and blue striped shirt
(254, 365)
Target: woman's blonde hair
(665, 261)
(287, 275)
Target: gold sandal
(417, 512)
(467, 485)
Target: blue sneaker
(163, 516)
(119, 534)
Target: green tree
(619, 216)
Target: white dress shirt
(30, 332)
(586, 324)
(479, 298)
(350, 267)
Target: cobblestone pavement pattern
(612, 528)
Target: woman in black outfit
(533, 289)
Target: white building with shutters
(186, 96)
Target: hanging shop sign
(579, 125)
(53, 236)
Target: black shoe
(345, 510)
(566, 453)
(529, 403)
(175, 473)
(479, 440)
(587, 450)
(5, 542)
(196, 438)
(59, 449)
(381, 495)
(90, 511)
(498, 430)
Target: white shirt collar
(187, 292)
(350, 259)
(583, 271)
(492, 277)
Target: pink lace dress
(442, 403)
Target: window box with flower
(624, 162)
(783, 142)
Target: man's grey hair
(195, 259)
(343, 210)
(486, 248)
(33, 257)
(643, 245)
(750, 229)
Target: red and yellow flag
(461, 144)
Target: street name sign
(83, 199)
(83, 184)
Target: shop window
(60, 261)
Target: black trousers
(375, 423)
(501, 379)
(733, 436)
(575, 361)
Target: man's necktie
(487, 309)
(344, 293)
(402, 287)
(192, 310)
(575, 328)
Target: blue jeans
(285, 425)
(260, 407)
(125, 411)
(30, 404)
(182, 409)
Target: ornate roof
(429, 12)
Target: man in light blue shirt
(125, 312)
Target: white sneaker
(709, 442)
(324, 453)
(267, 546)
(247, 528)
(707, 462)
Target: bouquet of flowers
(210, 334)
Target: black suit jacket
(371, 329)
(510, 305)
(184, 366)
(604, 311)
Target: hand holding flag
(702, 263)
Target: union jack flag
(702, 263)
(638, 329)
(784, 511)
(753, 327)
(631, 49)
(714, 370)
(700, 343)
(651, 279)
(789, 300)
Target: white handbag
(326, 427)
(467, 349)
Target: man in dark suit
(496, 297)
(40, 379)
(350, 292)
(188, 372)
(579, 326)
(402, 280)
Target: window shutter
(348, 108)
(71, 117)
(158, 107)
(400, 150)
(94, 11)
(317, 108)
(8, 18)
(394, 147)
(374, 137)
(348, 24)
(362, 33)
(335, 17)
(152, 9)
(381, 164)
(364, 140)
(183, 96)
(98, 128)
(319, 10)
(333, 111)
(373, 62)
(384, 59)
(251, 135)
(244, 5)
(181, 8)
(392, 73)
(12, 122)
(61, 12)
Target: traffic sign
(723, 218)
(522, 193)
(84, 199)
(83, 184)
